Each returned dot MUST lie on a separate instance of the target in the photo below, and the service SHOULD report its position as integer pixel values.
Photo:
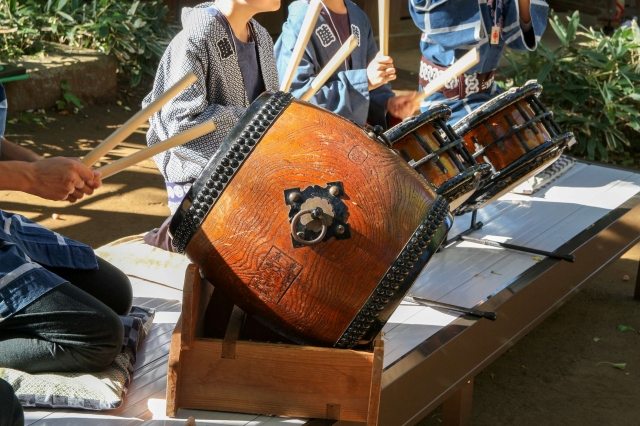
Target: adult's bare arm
(56, 178)
(13, 152)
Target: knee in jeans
(110, 345)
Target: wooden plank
(156, 342)
(142, 288)
(141, 380)
(190, 304)
(376, 382)
(32, 415)
(456, 410)
(173, 371)
(232, 334)
(156, 331)
(289, 380)
(153, 355)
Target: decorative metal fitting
(317, 214)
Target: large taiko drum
(516, 135)
(432, 148)
(309, 224)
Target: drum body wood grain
(433, 149)
(516, 135)
(364, 224)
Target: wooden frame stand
(257, 377)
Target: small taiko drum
(516, 135)
(309, 224)
(432, 148)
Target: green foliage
(591, 83)
(135, 32)
(69, 100)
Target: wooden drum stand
(252, 376)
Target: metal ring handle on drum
(317, 212)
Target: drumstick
(179, 139)
(383, 22)
(137, 120)
(341, 55)
(308, 25)
(470, 59)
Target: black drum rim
(397, 281)
(410, 124)
(500, 181)
(465, 182)
(231, 155)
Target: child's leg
(65, 330)
(11, 413)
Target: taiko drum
(309, 224)
(516, 135)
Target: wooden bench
(431, 357)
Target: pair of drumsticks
(460, 66)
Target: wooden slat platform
(464, 274)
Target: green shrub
(591, 84)
(135, 32)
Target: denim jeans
(73, 328)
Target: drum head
(495, 105)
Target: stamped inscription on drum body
(275, 275)
(358, 154)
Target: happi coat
(25, 247)
(450, 28)
(347, 92)
(204, 48)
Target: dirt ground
(559, 374)
(130, 202)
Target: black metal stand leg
(455, 308)
(474, 226)
(553, 255)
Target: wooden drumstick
(470, 59)
(179, 139)
(341, 55)
(383, 22)
(137, 120)
(306, 30)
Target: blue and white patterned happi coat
(24, 247)
(203, 48)
(346, 92)
(450, 28)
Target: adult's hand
(60, 178)
(401, 106)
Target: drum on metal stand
(516, 135)
(309, 224)
(433, 149)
